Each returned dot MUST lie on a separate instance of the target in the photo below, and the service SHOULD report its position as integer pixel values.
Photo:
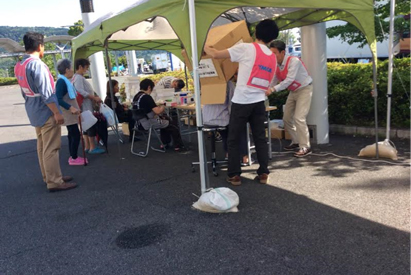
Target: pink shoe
(82, 159)
(77, 161)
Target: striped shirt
(164, 83)
(219, 114)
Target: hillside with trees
(17, 33)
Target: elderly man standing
(292, 75)
(37, 87)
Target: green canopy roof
(131, 21)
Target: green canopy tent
(293, 14)
(190, 20)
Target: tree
(350, 34)
(288, 37)
(76, 29)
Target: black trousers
(73, 139)
(127, 116)
(242, 141)
(171, 131)
(255, 115)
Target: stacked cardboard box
(214, 73)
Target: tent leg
(390, 65)
(374, 72)
(112, 94)
(199, 119)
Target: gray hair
(62, 65)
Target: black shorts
(91, 132)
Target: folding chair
(115, 129)
(138, 128)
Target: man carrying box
(293, 76)
(257, 65)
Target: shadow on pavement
(132, 216)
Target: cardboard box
(124, 129)
(277, 133)
(214, 73)
(192, 121)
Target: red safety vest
(20, 73)
(263, 69)
(282, 74)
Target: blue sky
(52, 13)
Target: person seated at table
(122, 111)
(168, 82)
(219, 115)
(156, 117)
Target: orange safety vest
(282, 74)
(263, 69)
(20, 73)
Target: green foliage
(349, 94)
(122, 60)
(287, 36)
(350, 34)
(48, 58)
(76, 29)
(17, 33)
(7, 81)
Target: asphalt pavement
(328, 213)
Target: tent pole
(199, 119)
(111, 93)
(185, 73)
(390, 65)
(374, 77)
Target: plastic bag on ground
(218, 200)
(385, 150)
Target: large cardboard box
(277, 133)
(214, 73)
(124, 129)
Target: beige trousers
(48, 147)
(296, 109)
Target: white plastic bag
(87, 120)
(108, 114)
(218, 200)
(385, 150)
